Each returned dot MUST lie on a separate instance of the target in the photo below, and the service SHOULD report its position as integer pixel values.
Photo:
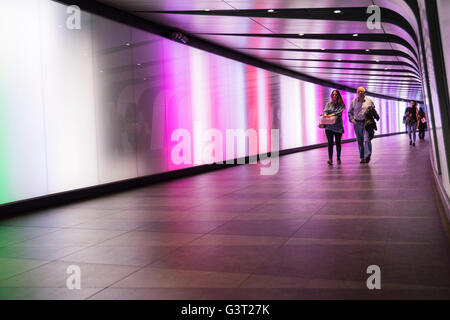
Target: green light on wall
(5, 191)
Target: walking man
(357, 115)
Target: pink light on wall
(312, 107)
(348, 126)
(178, 95)
(252, 106)
(263, 112)
(220, 102)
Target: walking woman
(422, 123)
(411, 114)
(334, 131)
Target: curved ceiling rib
(313, 38)
(368, 37)
(374, 52)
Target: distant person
(412, 114)
(357, 115)
(334, 132)
(422, 123)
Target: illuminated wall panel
(149, 97)
(236, 106)
(200, 101)
(68, 95)
(263, 112)
(291, 135)
(114, 100)
(109, 102)
(311, 106)
(177, 97)
(252, 106)
(22, 133)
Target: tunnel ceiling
(324, 39)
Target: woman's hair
(415, 103)
(339, 100)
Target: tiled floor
(309, 232)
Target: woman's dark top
(421, 114)
(411, 115)
(337, 110)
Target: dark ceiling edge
(132, 20)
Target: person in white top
(357, 115)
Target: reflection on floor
(308, 232)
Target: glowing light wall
(108, 102)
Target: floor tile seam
(56, 259)
(27, 227)
(369, 242)
(370, 217)
(391, 285)
(33, 237)
(149, 264)
(311, 217)
(190, 242)
(262, 263)
(178, 269)
(280, 246)
(59, 227)
(96, 244)
(139, 268)
(175, 249)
